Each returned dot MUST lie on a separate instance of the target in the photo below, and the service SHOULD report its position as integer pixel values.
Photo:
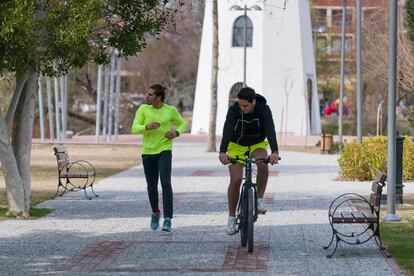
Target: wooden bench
(342, 212)
(77, 175)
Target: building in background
(328, 15)
(280, 63)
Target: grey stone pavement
(110, 235)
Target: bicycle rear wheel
(250, 220)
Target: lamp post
(342, 74)
(245, 9)
(359, 72)
(392, 92)
(321, 29)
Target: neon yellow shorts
(234, 150)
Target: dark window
(321, 17)
(336, 45)
(337, 18)
(238, 32)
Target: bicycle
(247, 212)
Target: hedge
(361, 162)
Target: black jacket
(249, 129)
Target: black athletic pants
(159, 166)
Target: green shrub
(361, 162)
(408, 159)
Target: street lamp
(321, 29)
(342, 74)
(245, 9)
(392, 92)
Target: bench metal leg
(332, 238)
(88, 197)
(337, 239)
(93, 191)
(57, 190)
(377, 237)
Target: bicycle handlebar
(250, 159)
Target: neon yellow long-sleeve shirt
(154, 140)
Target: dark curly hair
(159, 90)
(247, 93)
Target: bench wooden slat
(347, 216)
(62, 155)
(375, 200)
(376, 188)
(370, 217)
(59, 149)
(381, 178)
(342, 217)
(359, 217)
(74, 174)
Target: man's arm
(227, 134)
(228, 129)
(138, 126)
(181, 126)
(179, 121)
(269, 128)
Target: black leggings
(159, 165)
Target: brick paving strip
(100, 256)
(238, 259)
(202, 173)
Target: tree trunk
(211, 146)
(22, 134)
(21, 80)
(14, 184)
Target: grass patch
(35, 213)
(398, 238)
(107, 160)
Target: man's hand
(152, 125)
(274, 158)
(224, 159)
(171, 134)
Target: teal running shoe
(155, 221)
(166, 225)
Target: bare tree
(211, 144)
(287, 88)
(375, 57)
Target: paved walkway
(110, 234)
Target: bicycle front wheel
(243, 218)
(250, 220)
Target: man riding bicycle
(248, 124)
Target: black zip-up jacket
(249, 129)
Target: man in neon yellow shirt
(155, 120)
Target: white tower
(280, 63)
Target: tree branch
(20, 82)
